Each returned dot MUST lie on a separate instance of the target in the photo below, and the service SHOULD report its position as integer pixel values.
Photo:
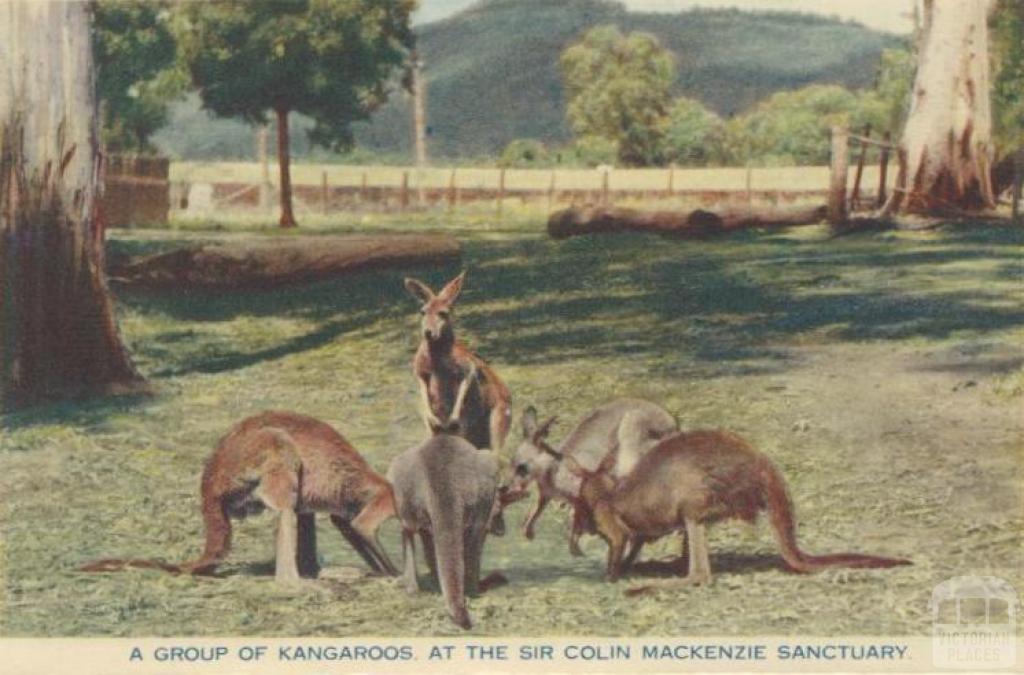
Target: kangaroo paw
(636, 591)
(492, 581)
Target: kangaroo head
(436, 308)
(534, 456)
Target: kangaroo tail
(449, 534)
(780, 513)
(218, 541)
(118, 564)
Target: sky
(887, 15)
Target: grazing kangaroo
(447, 492)
(460, 393)
(297, 466)
(690, 480)
(623, 429)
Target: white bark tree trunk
(947, 141)
(57, 331)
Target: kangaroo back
(629, 427)
(780, 514)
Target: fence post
(671, 180)
(323, 191)
(883, 172)
(405, 190)
(840, 166)
(604, 187)
(855, 195)
(551, 191)
(261, 154)
(1018, 178)
(750, 189)
(501, 190)
(452, 195)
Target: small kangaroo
(459, 392)
(690, 480)
(447, 492)
(297, 466)
(623, 429)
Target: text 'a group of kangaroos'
(629, 473)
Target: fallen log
(270, 262)
(575, 221)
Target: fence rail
(204, 186)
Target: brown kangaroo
(459, 392)
(297, 466)
(690, 480)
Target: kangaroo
(297, 466)
(623, 429)
(459, 392)
(447, 492)
(690, 480)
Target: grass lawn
(882, 373)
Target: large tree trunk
(58, 336)
(947, 141)
(284, 162)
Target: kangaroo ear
(544, 429)
(529, 422)
(419, 290)
(452, 289)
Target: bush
(524, 153)
(694, 134)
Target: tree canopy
(1008, 84)
(619, 90)
(694, 134)
(134, 51)
(331, 60)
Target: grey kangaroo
(446, 491)
(459, 391)
(624, 429)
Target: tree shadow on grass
(699, 308)
(729, 306)
(335, 308)
(87, 413)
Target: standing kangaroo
(623, 429)
(447, 492)
(690, 480)
(297, 466)
(459, 392)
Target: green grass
(878, 371)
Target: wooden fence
(136, 190)
(207, 187)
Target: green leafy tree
(1008, 84)
(792, 127)
(619, 90)
(331, 60)
(523, 153)
(694, 134)
(892, 88)
(134, 51)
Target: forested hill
(492, 70)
